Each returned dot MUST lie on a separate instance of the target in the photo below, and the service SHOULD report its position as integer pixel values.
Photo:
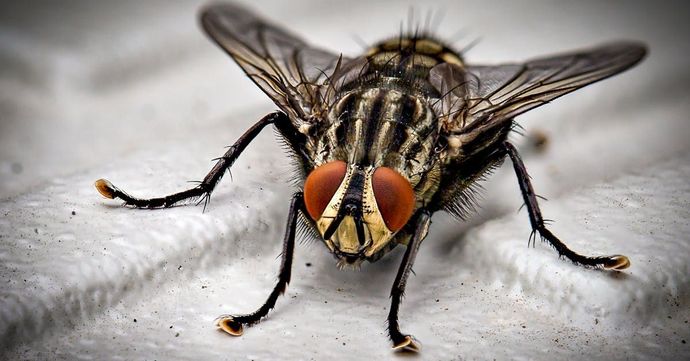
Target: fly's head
(357, 210)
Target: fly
(386, 139)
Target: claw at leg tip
(409, 344)
(105, 188)
(617, 263)
(229, 325)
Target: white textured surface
(136, 94)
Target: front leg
(617, 262)
(402, 342)
(205, 187)
(232, 324)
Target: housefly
(386, 139)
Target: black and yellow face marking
(387, 138)
(357, 210)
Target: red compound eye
(321, 185)
(394, 196)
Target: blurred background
(135, 92)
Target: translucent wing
(478, 98)
(281, 64)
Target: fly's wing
(479, 98)
(285, 67)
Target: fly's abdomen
(410, 54)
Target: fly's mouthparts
(349, 259)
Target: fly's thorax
(358, 209)
(380, 126)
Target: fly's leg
(206, 186)
(232, 324)
(616, 262)
(402, 342)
